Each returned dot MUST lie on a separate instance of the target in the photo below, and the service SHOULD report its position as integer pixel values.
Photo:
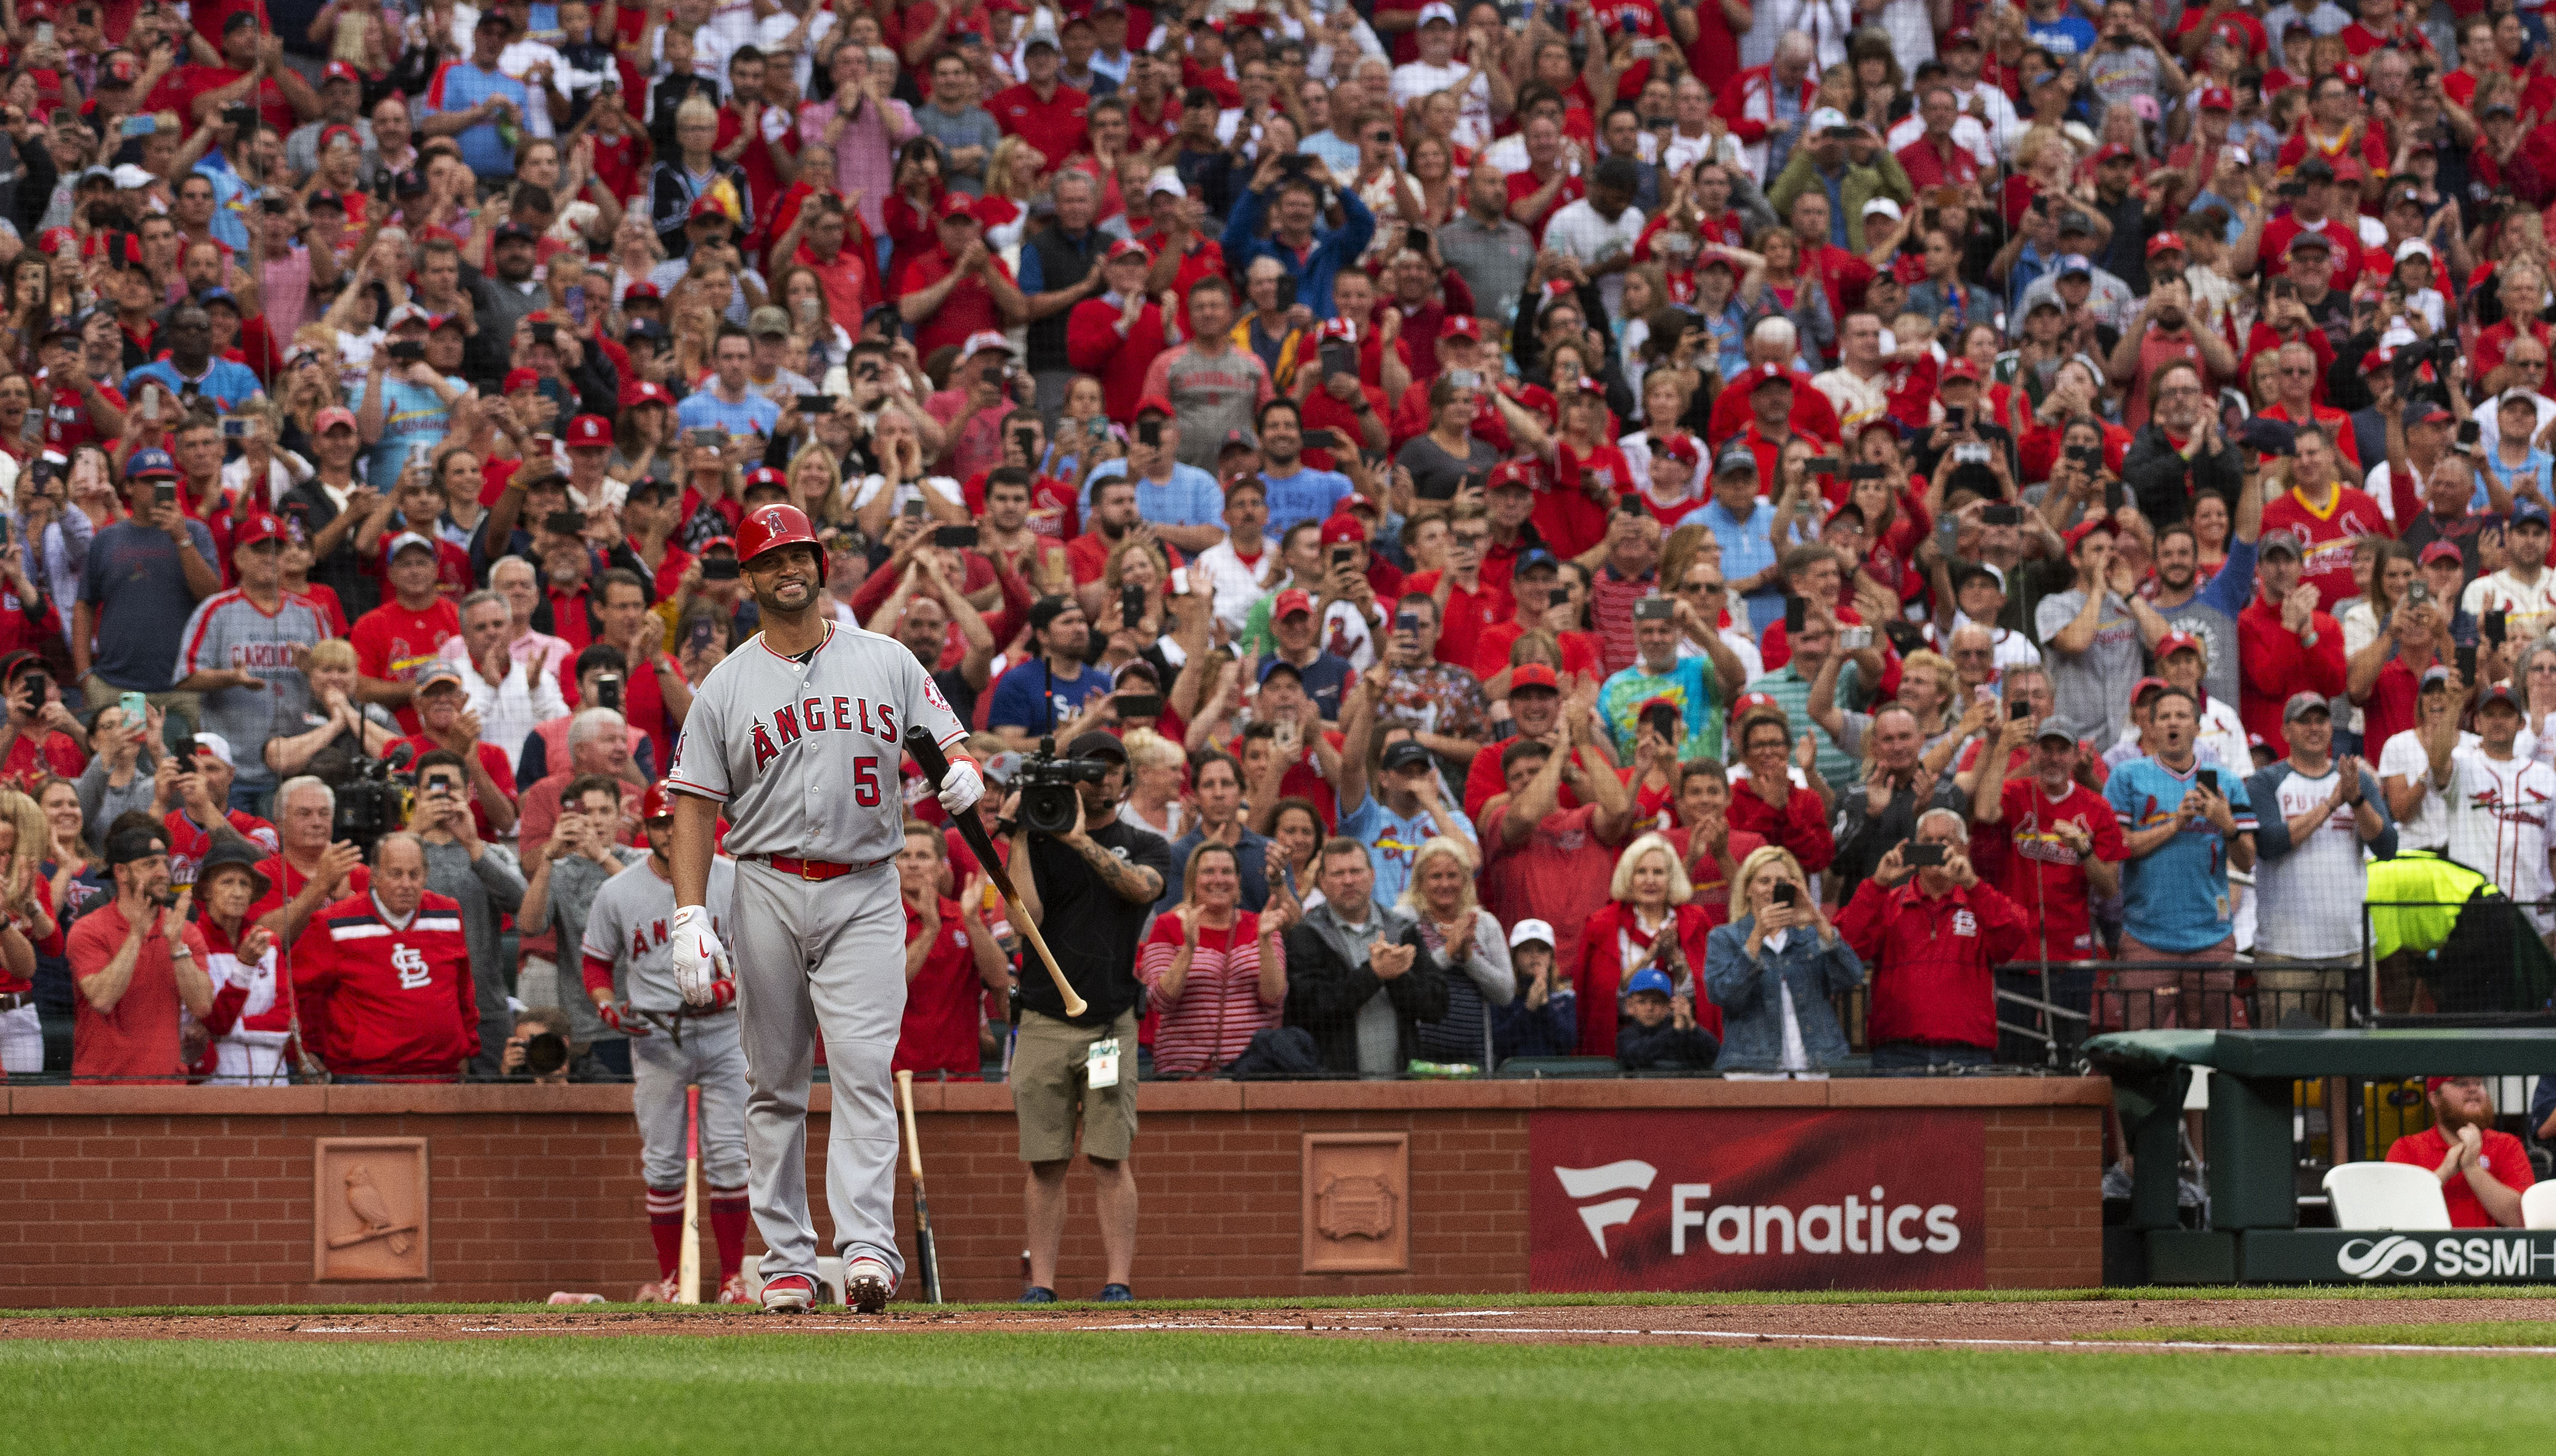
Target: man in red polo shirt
(850, 281)
(1547, 185)
(1459, 348)
(959, 287)
(2326, 515)
(1054, 118)
(1346, 403)
(2482, 1169)
(1115, 336)
(1935, 159)
(2054, 844)
(770, 141)
(2287, 644)
(135, 963)
(1771, 424)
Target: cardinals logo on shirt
(409, 963)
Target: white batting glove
(697, 955)
(962, 786)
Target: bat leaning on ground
(688, 1266)
(924, 1252)
(936, 767)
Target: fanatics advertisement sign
(1709, 1199)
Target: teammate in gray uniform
(795, 736)
(629, 974)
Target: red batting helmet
(769, 526)
(653, 803)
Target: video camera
(2441, 354)
(377, 801)
(1047, 785)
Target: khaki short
(1049, 1098)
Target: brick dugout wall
(204, 1195)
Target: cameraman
(547, 1063)
(1088, 891)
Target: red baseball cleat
(732, 1292)
(789, 1295)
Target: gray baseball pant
(825, 957)
(714, 1055)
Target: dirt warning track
(2088, 1325)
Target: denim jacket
(1753, 1018)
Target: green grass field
(1118, 1394)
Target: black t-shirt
(1091, 931)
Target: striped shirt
(1218, 1008)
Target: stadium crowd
(1587, 529)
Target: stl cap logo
(1611, 1177)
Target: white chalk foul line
(1770, 1336)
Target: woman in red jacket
(1649, 921)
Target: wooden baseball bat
(924, 1252)
(688, 1266)
(936, 767)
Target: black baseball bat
(936, 767)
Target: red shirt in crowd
(138, 1041)
(2328, 533)
(1801, 825)
(1614, 939)
(2278, 662)
(1213, 1021)
(385, 1000)
(1559, 875)
(942, 1007)
(1929, 957)
(2501, 1156)
(2036, 868)
(392, 642)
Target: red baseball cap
(590, 431)
(2166, 242)
(2114, 152)
(1765, 374)
(1957, 373)
(707, 205)
(1539, 399)
(2145, 686)
(259, 527)
(1462, 325)
(1290, 601)
(1343, 531)
(1127, 247)
(520, 380)
(646, 392)
(643, 289)
(1345, 330)
(2084, 529)
(1155, 404)
(2442, 551)
(332, 417)
(1681, 448)
(1755, 703)
(955, 205)
(1533, 675)
(766, 476)
(340, 70)
(1521, 474)
(2174, 642)
(2217, 98)
(1591, 386)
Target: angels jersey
(805, 752)
(629, 944)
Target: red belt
(817, 870)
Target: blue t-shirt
(412, 415)
(2175, 899)
(1746, 550)
(704, 409)
(1326, 677)
(1190, 498)
(1307, 495)
(226, 382)
(1392, 841)
(134, 584)
(1020, 696)
(460, 86)
(2063, 34)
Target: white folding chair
(2376, 1195)
(2539, 1206)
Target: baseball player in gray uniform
(629, 973)
(796, 737)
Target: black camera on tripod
(1049, 800)
(376, 801)
(2441, 354)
